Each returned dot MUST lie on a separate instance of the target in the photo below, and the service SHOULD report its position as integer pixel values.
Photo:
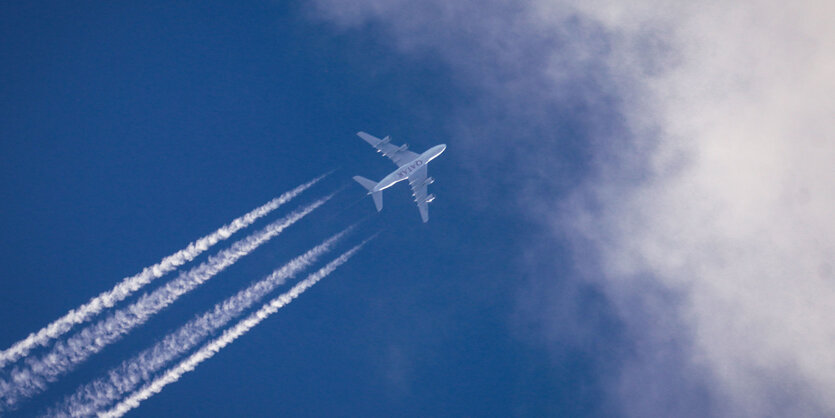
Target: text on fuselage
(406, 170)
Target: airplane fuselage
(403, 172)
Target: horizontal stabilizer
(369, 185)
(378, 200)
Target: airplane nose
(443, 148)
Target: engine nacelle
(430, 198)
(428, 181)
(385, 140)
(403, 147)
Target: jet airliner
(410, 166)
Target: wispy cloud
(732, 213)
(705, 212)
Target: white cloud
(735, 213)
(712, 226)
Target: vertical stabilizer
(369, 185)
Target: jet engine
(428, 181)
(385, 140)
(403, 147)
(430, 198)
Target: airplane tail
(369, 185)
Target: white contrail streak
(126, 377)
(33, 379)
(210, 349)
(131, 284)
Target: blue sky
(134, 130)
(621, 207)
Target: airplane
(410, 166)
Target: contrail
(126, 377)
(66, 354)
(131, 284)
(207, 351)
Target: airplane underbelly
(389, 181)
(401, 174)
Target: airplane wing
(398, 154)
(418, 182)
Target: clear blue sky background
(127, 131)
